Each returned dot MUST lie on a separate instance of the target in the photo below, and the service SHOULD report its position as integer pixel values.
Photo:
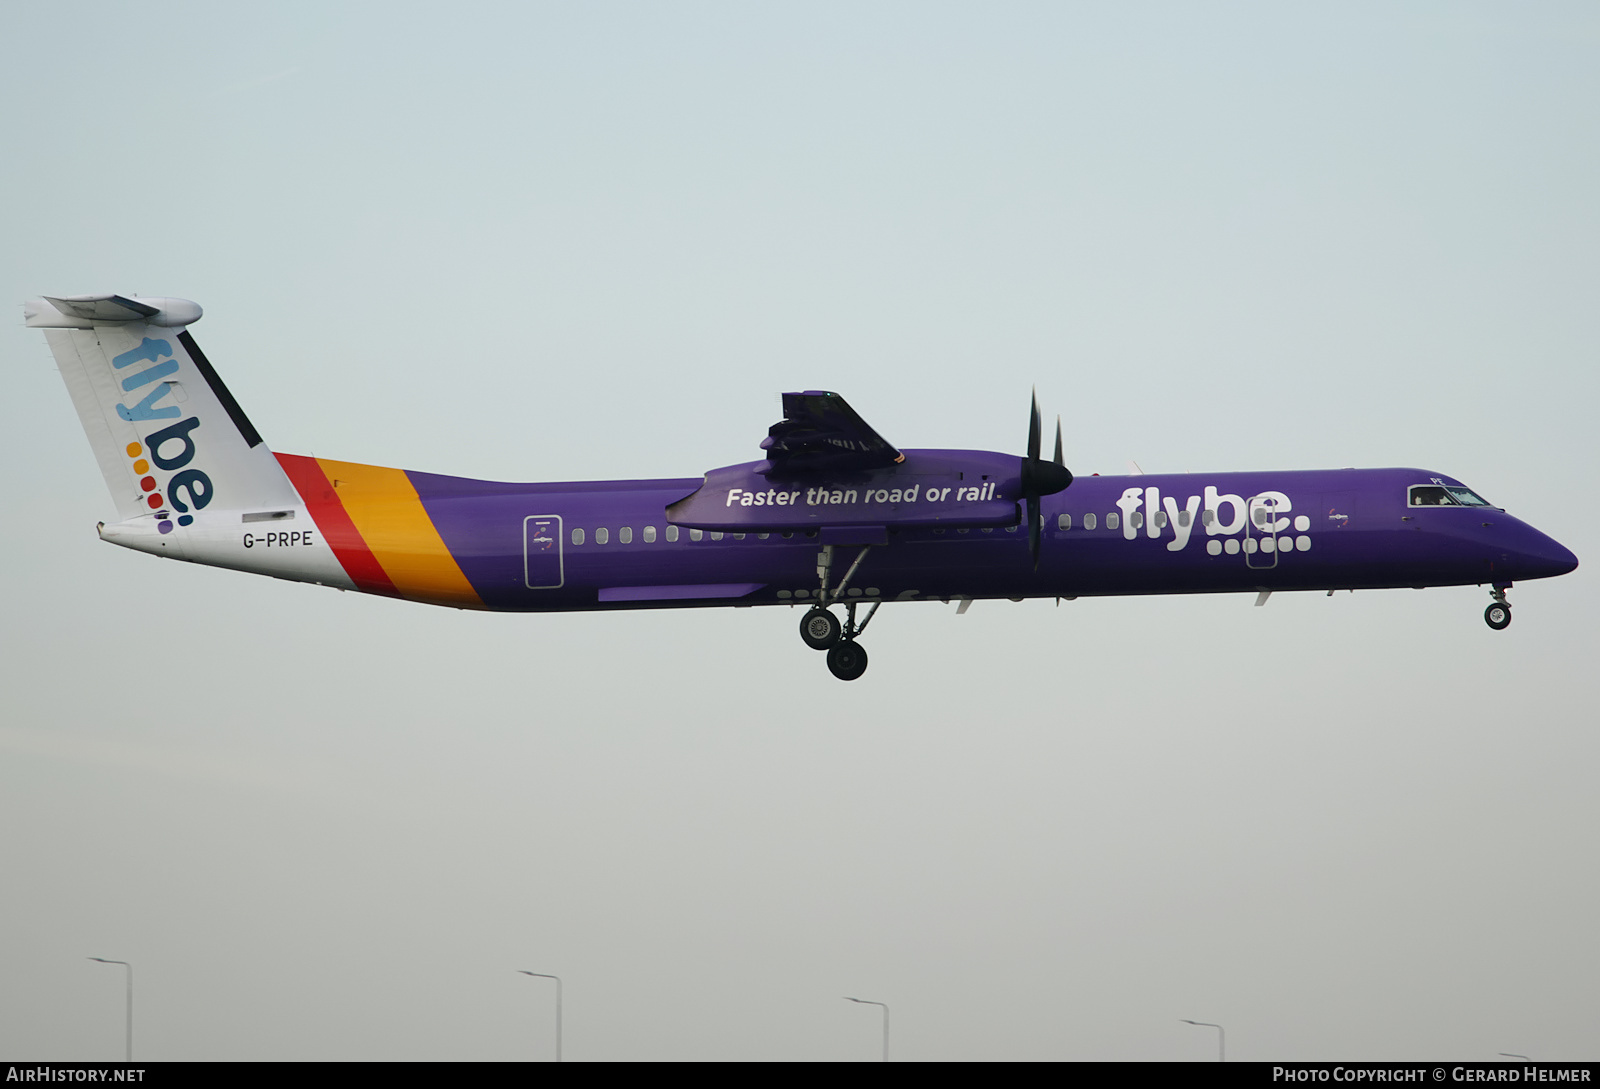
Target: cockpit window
(1430, 495)
(1466, 496)
(1445, 495)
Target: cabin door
(541, 551)
(1261, 532)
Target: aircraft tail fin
(169, 438)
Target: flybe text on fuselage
(1224, 516)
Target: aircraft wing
(820, 433)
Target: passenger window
(625, 535)
(1113, 520)
(1208, 517)
(672, 534)
(601, 536)
(577, 536)
(716, 535)
(1090, 521)
(696, 534)
(1136, 520)
(649, 534)
(1183, 519)
(1160, 519)
(1064, 521)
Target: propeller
(1039, 477)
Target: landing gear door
(541, 551)
(1261, 532)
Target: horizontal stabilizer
(87, 311)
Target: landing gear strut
(821, 630)
(1498, 615)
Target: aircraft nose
(1542, 557)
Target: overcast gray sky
(557, 241)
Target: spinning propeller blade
(1039, 477)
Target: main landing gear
(821, 630)
(1498, 615)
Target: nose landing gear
(1498, 615)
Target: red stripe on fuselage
(322, 499)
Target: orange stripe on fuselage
(389, 516)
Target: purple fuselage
(610, 544)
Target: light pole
(1222, 1037)
(885, 1005)
(129, 967)
(545, 975)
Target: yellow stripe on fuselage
(389, 515)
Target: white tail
(174, 446)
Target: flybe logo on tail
(148, 351)
(190, 484)
(171, 448)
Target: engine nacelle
(929, 488)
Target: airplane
(833, 515)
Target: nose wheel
(1498, 614)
